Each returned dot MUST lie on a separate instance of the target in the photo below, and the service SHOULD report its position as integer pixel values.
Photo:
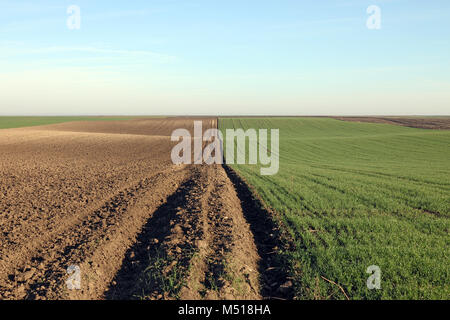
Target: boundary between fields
(272, 241)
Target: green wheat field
(352, 195)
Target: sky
(174, 57)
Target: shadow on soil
(154, 267)
(273, 266)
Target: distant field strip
(17, 122)
(359, 194)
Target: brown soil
(437, 123)
(106, 197)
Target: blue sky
(225, 57)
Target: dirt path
(226, 266)
(183, 249)
(138, 227)
(210, 240)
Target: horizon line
(223, 115)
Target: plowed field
(106, 198)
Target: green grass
(17, 122)
(358, 194)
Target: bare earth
(106, 197)
(437, 123)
